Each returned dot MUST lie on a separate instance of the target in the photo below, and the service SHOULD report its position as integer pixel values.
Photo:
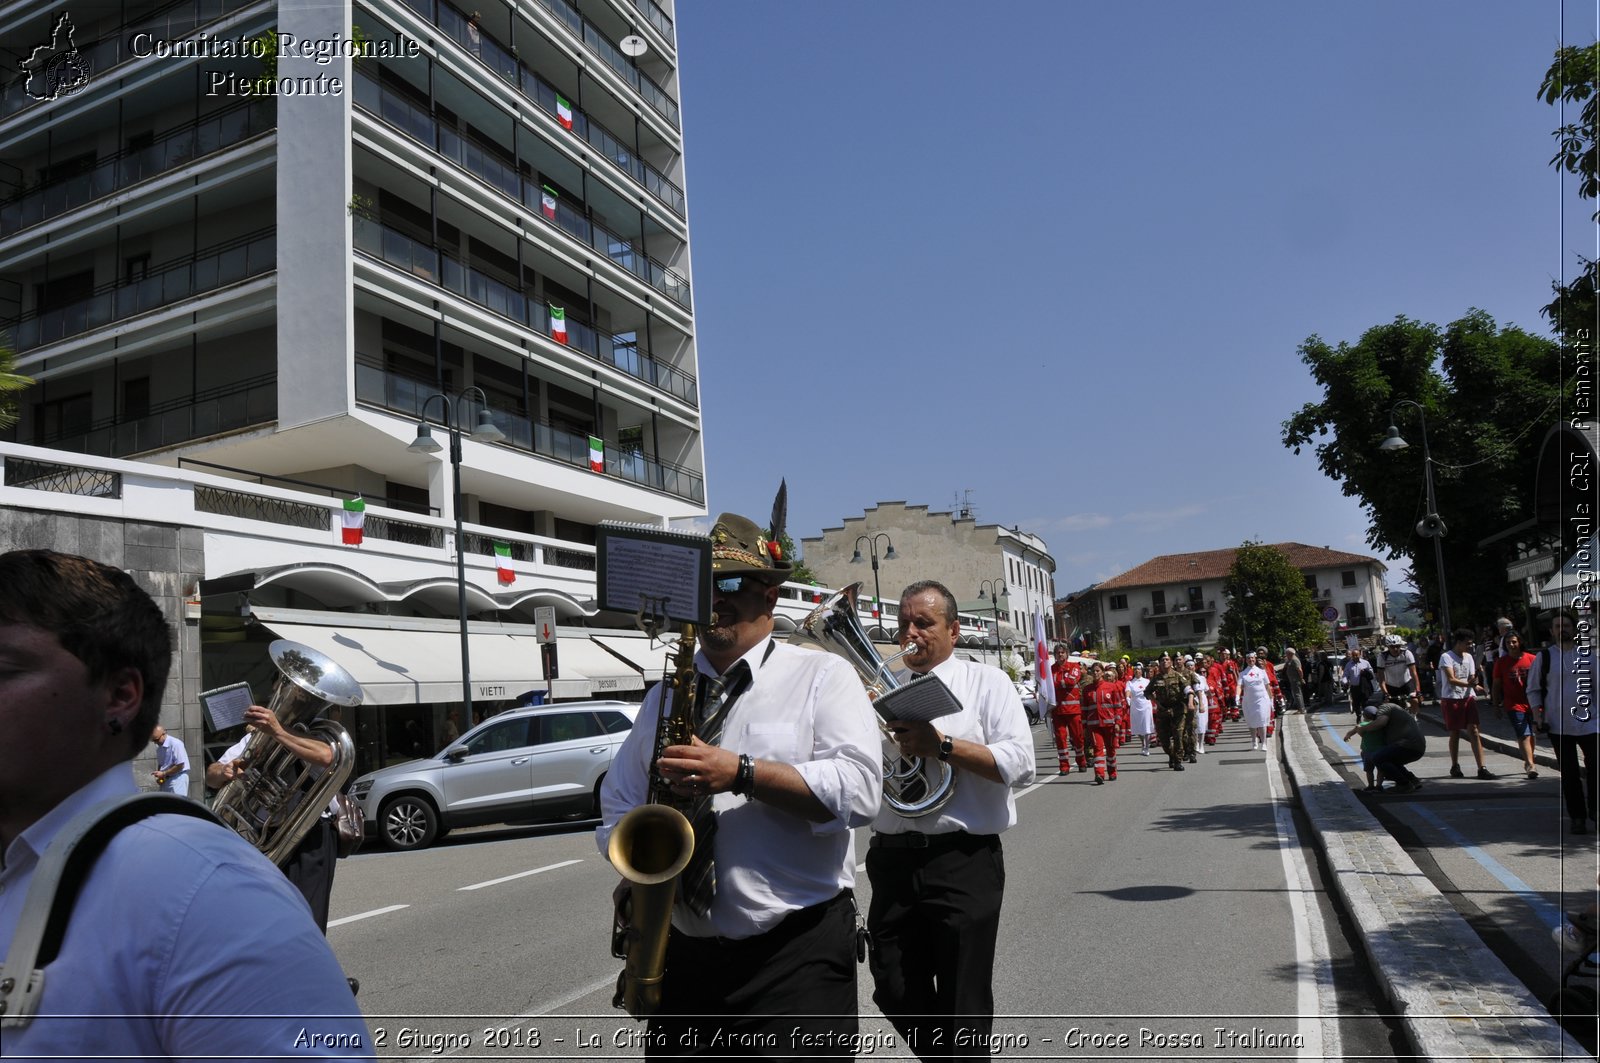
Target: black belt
(913, 839)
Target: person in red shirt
(1230, 684)
(1066, 716)
(1217, 683)
(1509, 693)
(1098, 699)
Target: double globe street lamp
(990, 590)
(1431, 526)
(889, 555)
(485, 432)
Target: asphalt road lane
(1152, 916)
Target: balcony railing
(212, 268)
(174, 148)
(1179, 609)
(171, 22)
(176, 280)
(403, 395)
(415, 122)
(420, 260)
(658, 18)
(541, 92)
(206, 413)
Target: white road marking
(519, 874)
(366, 915)
(1315, 1000)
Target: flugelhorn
(912, 786)
(278, 798)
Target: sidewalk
(1454, 996)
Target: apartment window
(1311, 583)
(1347, 578)
(136, 397)
(1356, 612)
(62, 417)
(406, 497)
(1196, 598)
(1158, 601)
(1118, 601)
(1125, 635)
(1198, 625)
(63, 291)
(1162, 630)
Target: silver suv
(536, 763)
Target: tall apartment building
(267, 276)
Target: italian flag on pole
(558, 324)
(1045, 687)
(355, 515)
(547, 201)
(597, 454)
(563, 112)
(502, 563)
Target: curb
(1454, 997)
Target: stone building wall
(168, 562)
(956, 551)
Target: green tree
(1573, 78)
(802, 572)
(1488, 394)
(12, 383)
(1269, 603)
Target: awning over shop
(1574, 585)
(408, 667)
(649, 658)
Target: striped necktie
(717, 695)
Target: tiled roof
(1214, 564)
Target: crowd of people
(1182, 701)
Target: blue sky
(1061, 254)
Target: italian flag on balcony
(502, 563)
(597, 454)
(547, 201)
(563, 112)
(558, 324)
(355, 515)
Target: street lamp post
(1431, 526)
(888, 555)
(990, 590)
(485, 432)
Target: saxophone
(650, 847)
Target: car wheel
(408, 823)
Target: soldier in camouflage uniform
(1185, 668)
(1169, 693)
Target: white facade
(272, 290)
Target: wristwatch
(947, 745)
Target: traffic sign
(1329, 613)
(544, 619)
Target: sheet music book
(224, 707)
(924, 699)
(637, 565)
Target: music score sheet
(638, 566)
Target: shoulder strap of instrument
(54, 889)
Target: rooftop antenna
(962, 505)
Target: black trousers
(1578, 788)
(934, 919)
(310, 867)
(747, 999)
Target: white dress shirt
(802, 707)
(991, 715)
(1560, 694)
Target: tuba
(279, 797)
(650, 846)
(912, 786)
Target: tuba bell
(279, 797)
(912, 786)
